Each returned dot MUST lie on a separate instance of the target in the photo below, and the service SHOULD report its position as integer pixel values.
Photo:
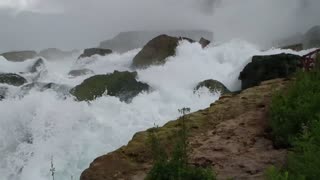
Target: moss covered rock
(213, 86)
(263, 68)
(120, 84)
(80, 72)
(156, 51)
(19, 55)
(95, 51)
(12, 79)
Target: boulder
(55, 54)
(312, 38)
(80, 72)
(204, 42)
(214, 86)
(39, 86)
(19, 56)
(120, 84)
(269, 67)
(156, 51)
(94, 51)
(126, 41)
(3, 92)
(37, 66)
(12, 79)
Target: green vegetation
(294, 109)
(175, 167)
(295, 122)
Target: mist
(76, 24)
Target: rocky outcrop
(120, 84)
(312, 38)
(269, 67)
(156, 51)
(19, 56)
(40, 86)
(37, 66)
(204, 42)
(231, 137)
(126, 41)
(214, 86)
(94, 51)
(12, 79)
(3, 92)
(80, 72)
(55, 54)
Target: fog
(72, 24)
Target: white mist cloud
(36, 6)
(84, 23)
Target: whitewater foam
(42, 125)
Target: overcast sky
(68, 24)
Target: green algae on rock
(12, 79)
(120, 84)
(214, 86)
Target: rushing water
(42, 125)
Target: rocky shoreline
(231, 136)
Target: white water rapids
(74, 133)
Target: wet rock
(19, 56)
(156, 51)
(204, 42)
(12, 79)
(214, 86)
(80, 72)
(269, 67)
(55, 54)
(95, 51)
(40, 86)
(126, 41)
(37, 66)
(3, 92)
(120, 84)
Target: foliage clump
(296, 108)
(295, 122)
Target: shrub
(304, 161)
(295, 122)
(273, 173)
(295, 108)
